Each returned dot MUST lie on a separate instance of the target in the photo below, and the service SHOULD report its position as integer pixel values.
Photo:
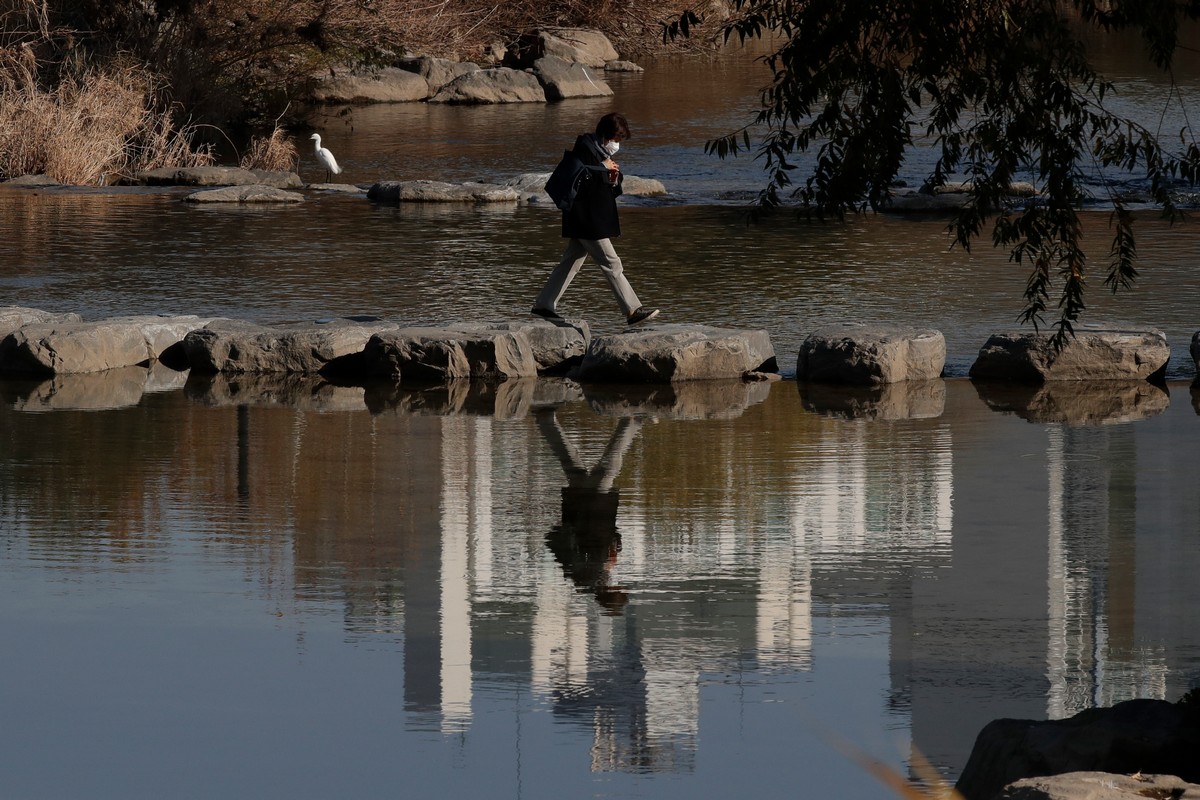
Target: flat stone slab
(884, 401)
(1100, 786)
(13, 317)
(435, 355)
(864, 354)
(1097, 352)
(256, 193)
(234, 346)
(74, 347)
(675, 352)
(198, 176)
(1076, 403)
(442, 192)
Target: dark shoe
(544, 313)
(642, 314)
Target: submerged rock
(441, 192)
(256, 193)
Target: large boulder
(324, 347)
(590, 47)
(437, 72)
(442, 192)
(487, 86)
(72, 347)
(386, 85)
(666, 353)
(1151, 736)
(1100, 786)
(563, 79)
(13, 317)
(434, 355)
(1096, 352)
(864, 354)
(255, 193)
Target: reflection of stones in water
(1077, 402)
(89, 391)
(503, 399)
(303, 392)
(680, 400)
(901, 400)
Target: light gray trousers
(602, 252)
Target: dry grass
(276, 152)
(87, 129)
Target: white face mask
(611, 148)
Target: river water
(243, 588)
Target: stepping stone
(558, 345)
(865, 354)
(322, 347)
(73, 347)
(665, 353)
(1097, 352)
(13, 317)
(432, 354)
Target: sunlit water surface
(263, 588)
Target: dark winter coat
(594, 212)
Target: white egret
(325, 157)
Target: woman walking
(591, 223)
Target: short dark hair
(613, 126)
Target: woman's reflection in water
(587, 542)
